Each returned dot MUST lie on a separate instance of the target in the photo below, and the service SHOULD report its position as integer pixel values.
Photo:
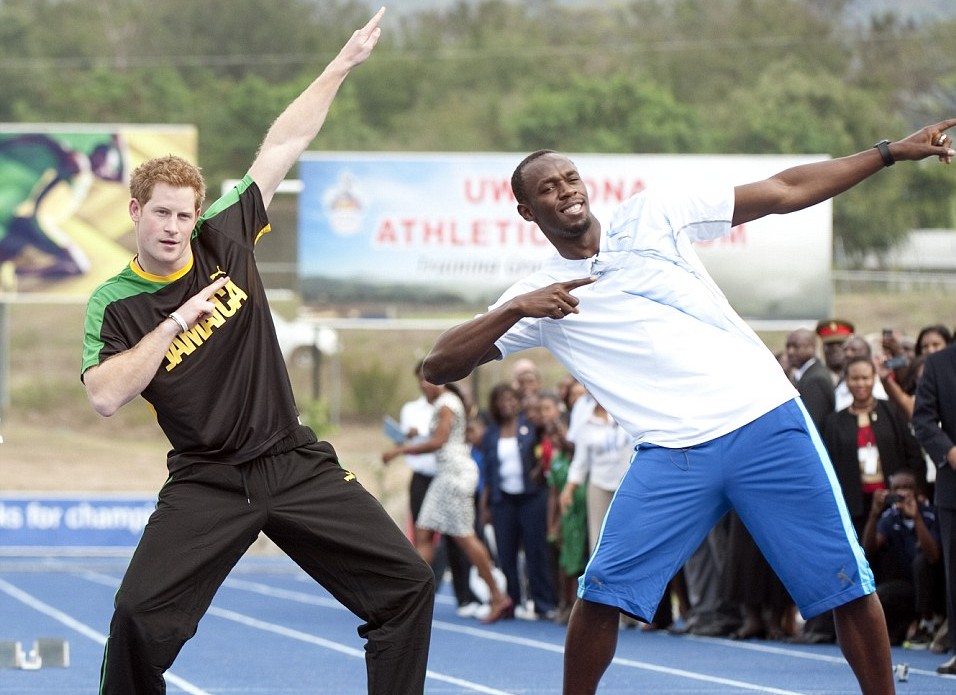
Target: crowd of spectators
(887, 478)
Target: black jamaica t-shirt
(222, 393)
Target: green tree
(704, 49)
(791, 111)
(621, 114)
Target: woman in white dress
(449, 505)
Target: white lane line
(85, 630)
(792, 653)
(767, 649)
(267, 590)
(336, 646)
(619, 661)
(307, 598)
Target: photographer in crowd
(901, 540)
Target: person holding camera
(868, 441)
(901, 539)
(899, 372)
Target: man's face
(164, 226)
(557, 198)
(856, 347)
(834, 356)
(527, 383)
(908, 346)
(801, 346)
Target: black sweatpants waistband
(300, 436)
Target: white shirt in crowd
(510, 470)
(602, 453)
(417, 415)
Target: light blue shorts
(775, 473)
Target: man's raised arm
(809, 184)
(301, 121)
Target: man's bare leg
(861, 632)
(589, 646)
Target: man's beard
(576, 230)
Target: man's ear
(525, 212)
(135, 210)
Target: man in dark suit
(811, 376)
(934, 421)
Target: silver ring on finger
(943, 137)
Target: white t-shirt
(602, 453)
(510, 469)
(417, 415)
(580, 412)
(656, 342)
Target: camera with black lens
(892, 499)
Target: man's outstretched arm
(301, 121)
(809, 184)
(459, 350)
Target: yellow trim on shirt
(134, 266)
(264, 230)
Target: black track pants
(207, 517)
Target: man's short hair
(172, 170)
(517, 178)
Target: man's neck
(584, 246)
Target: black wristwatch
(884, 147)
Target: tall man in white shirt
(631, 312)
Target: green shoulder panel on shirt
(230, 197)
(121, 286)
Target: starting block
(53, 652)
(47, 652)
(11, 654)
